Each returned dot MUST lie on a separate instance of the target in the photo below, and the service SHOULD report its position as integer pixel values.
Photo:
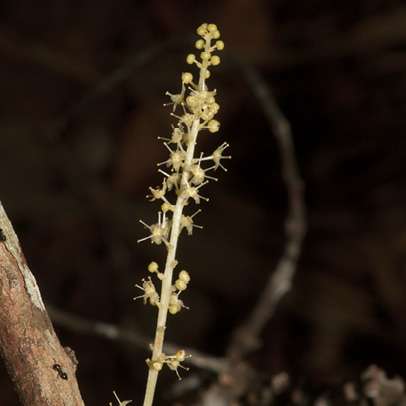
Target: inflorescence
(184, 176)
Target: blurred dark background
(82, 86)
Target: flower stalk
(186, 177)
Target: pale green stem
(166, 289)
(203, 69)
(169, 267)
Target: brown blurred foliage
(82, 85)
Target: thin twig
(246, 337)
(112, 332)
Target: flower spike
(187, 172)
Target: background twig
(247, 336)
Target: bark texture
(39, 367)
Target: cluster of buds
(151, 295)
(175, 304)
(186, 174)
(172, 361)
